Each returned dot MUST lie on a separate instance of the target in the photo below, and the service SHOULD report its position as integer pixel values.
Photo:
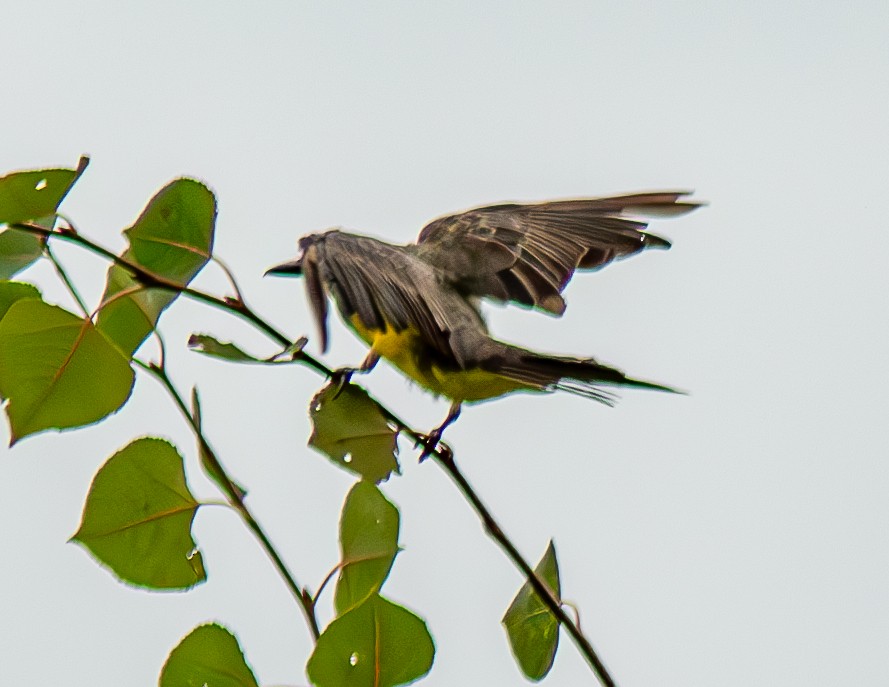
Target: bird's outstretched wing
(527, 253)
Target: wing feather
(386, 286)
(527, 253)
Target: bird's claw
(432, 442)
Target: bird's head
(306, 265)
(295, 268)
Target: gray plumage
(516, 253)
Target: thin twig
(231, 277)
(66, 280)
(496, 533)
(235, 499)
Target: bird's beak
(293, 268)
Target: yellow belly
(404, 350)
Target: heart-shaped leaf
(57, 369)
(350, 428)
(172, 239)
(211, 656)
(138, 515)
(375, 644)
(532, 628)
(369, 543)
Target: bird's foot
(431, 443)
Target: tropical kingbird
(417, 305)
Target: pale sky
(734, 537)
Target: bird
(417, 305)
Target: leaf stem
(328, 578)
(213, 502)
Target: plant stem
(236, 500)
(496, 533)
(149, 279)
(66, 280)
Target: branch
(552, 603)
(235, 306)
(441, 453)
(235, 498)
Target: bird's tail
(582, 376)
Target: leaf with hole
(350, 428)
(57, 369)
(172, 240)
(369, 543)
(209, 655)
(375, 644)
(138, 516)
(32, 194)
(532, 628)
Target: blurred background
(736, 536)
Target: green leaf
(213, 347)
(138, 515)
(369, 543)
(172, 239)
(131, 311)
(532, 628)
(57, 370)
(18, 250)
(37, 193)
(210, 656)
(350, 428)
(376, 644)
(208, 345)
(12, 291)
(210, 466)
